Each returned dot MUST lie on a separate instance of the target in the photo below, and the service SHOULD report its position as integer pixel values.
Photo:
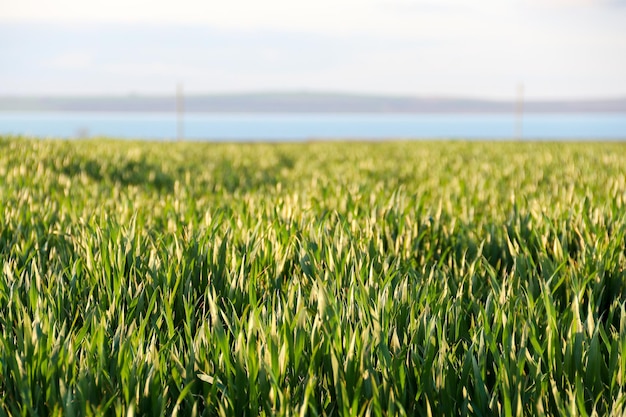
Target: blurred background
(339, 56)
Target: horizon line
(306, 92)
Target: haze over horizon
(558, 49)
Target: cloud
(569, 4)
(340, 17)
(481, 48)
(73, 60)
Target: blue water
(300, 127)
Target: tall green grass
(401, 278)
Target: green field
(396, 278)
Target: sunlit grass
(401, 278)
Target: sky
(556, 49)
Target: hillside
(301, 103)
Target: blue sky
(483, 48)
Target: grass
(400, 278)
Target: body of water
(301, 127)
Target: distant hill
(301, 103)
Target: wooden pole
(519, 110)
(180, 110)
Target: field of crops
(399, 278)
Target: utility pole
(519, 111)
(180, 110)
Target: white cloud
(71, 60)
(329, 16)
(478, 48)
(570, 3)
